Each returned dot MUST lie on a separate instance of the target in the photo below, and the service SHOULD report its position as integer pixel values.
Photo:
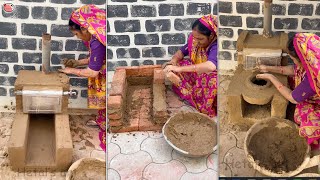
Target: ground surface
(147, 156)
(85, 141)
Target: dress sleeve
(303, 91)
(212, 54)
(97, 55)
(185, 50)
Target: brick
(80, 82)
(66, 13)
(127, 26)
(19, 12)
(158, 76)
(285, 23)
(300, 9)
(7, 80)
(231, 45)
(250, 31)
(184, 24)
(53, 68)
(3, 91)
(118, 85)
(215, 9)
(8, 28)
(143, 11)
(96, 2)
(226, 32)
(55, 45)
(147, 62)
(63, 2)
(117, 11)
(124, 1)
(32, 58)
(135, 63)
(224, 55)
(111, 66)
(115, 116)
(17, 68)
(279, 9)
(11, 92)
(19, 43)
(108, 26)
(60, 30)
(83, 56)
(233, 21)
(171, 10)
(254, 22)
(48, 13)
(33, 29)
(128, 53)
(247, 8)
(33, 0)
(198, 8)
(173, 49)
(133, 126)
(114, 102)
(147, 125)
(56, 58)
(158, 25)
(4, 68)
(153, 52)
(146, 70)
(118, 40)
(310, 24)
(225, 7)
(8, 57)
(317, 10)
(171, 39)
(109, 54)
(3, 43)
(75, 45)
(146, 39)
(84, 93)
(115, 123)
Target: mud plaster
(41, 141)
(192, 133)
(87, 170)
(278, 149)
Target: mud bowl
(193, 133)
(278, 149)
(87, 168)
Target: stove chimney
(267, 20)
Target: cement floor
(232, 160)
(147, 156)
(85, 140)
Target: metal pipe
(64, 93)
(267, 20)
(46, 52)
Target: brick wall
(148, 32)
(288, 16)
(20, 42)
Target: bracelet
(194, 68)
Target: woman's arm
(80, 72)
(285, 70)
(284, 91)
(205, 67)
(83, 62)
(176, 57)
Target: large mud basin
(275, 146)
(192, 134)
(41, 140)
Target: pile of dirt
(192, 133)
(88, 169)
(278, 149)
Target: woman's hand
(265, 76)
(67, 70)
(262, 68)
(172, 68)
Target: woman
(304, 50)
(195, 79)
(88, 23)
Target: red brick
(174, 102)
(147, 125)
(115, 123)
(146, 70)
(160, 120)
(115, 115)
(133, 126)
(160, 114)
(118, 84)
(158, 76)
(114, 102)
(134, 114)
(159, 97)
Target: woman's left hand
(66, 70)
(265, 76)
(172, 69)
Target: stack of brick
(160, 113)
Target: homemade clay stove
(40, 137)
(250, 99)
(137, 99)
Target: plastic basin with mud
(191, 134)
(87, 169)
(275, 148)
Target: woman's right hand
(72, 63)
(262, 68)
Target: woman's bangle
(194, 68)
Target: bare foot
(175, 79)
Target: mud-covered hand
(67, 70)
(262, 68)
(172, 68)
(265, 76)
(70, 63)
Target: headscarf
(307, 47)
(93, 19)
(199, 54)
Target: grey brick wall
(144, 32)
(20, 42)
(288, 16)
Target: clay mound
(87, 168)
(192, 132)
(278, 149)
